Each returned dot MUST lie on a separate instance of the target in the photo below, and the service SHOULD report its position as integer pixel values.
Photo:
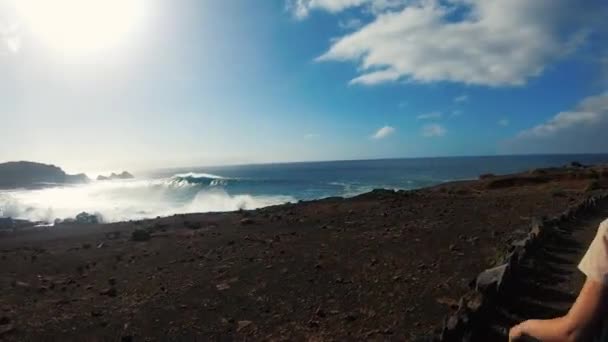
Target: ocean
(225, 188)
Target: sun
(80, 27)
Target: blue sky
(216, 82)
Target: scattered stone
(22, 284)
(112, 235)
(350, 317)
(4, 320)
(222, 286)
(242, 325)
(6, 329)
(111, 292)
(96, 313)
(247, 221)
(452, 303)
(86, 246)
(313, 324)
(320, 313)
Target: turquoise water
(346, 178)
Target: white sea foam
(198, 175)
(120, 200)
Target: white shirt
(595, 262)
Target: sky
(102, 85)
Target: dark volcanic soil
(383, 265)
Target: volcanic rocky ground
(382, 265)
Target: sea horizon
(168, 191)
(237, 164)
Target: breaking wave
(121, 200)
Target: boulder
(491, 279)
(7, 223)
(575, 164)
(140, 235)
(86, 218)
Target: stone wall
(491, 283)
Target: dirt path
(550, 280)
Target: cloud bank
(581, 130)
(479, 42)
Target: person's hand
(516, 332)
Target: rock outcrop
(123, 175)
(25, 174)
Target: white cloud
(383, 132)
(581, 130)
(481, 42)
(350, 24)
(311, 136)
(504, 122)
(461, 98)
(430, 116)
(302, 8)
(433, 130)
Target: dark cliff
(29, 174)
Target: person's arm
(574, 325)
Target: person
(586, 314)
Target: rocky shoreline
(382, 265)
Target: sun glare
(80, 27)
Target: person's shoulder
(603, 228)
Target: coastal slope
(382, 265)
